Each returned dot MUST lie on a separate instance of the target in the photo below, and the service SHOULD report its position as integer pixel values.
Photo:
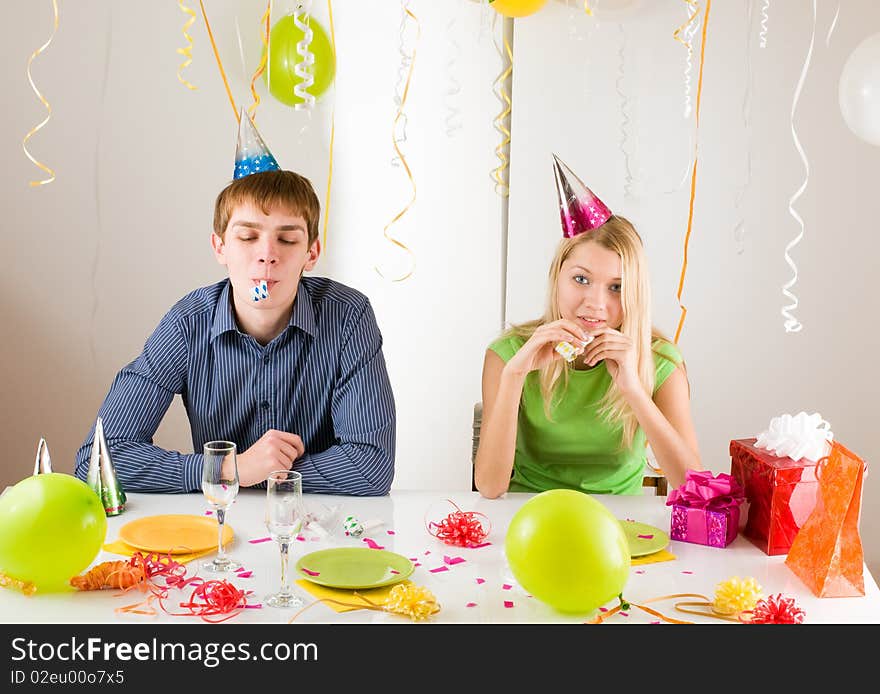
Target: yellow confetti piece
(45, 103)
(186, 51)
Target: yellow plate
(174, 533)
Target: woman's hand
(619, 354)
(539, 349)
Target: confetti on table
(209, 513)
(481, 580)
(482, 544)
(245, 574)
(452, 560)
(394, 571)
(640, 571)
(260, 539)
(508, 603)
(439, 569)
(258, 606)
(471, 604)
(656, 621)
(310, 572)
(687, 572)
(390, 532)
(645, 537)
(371, 544)
(506, 586)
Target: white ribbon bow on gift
(802, 436)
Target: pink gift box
(705, 509)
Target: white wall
(95, 258)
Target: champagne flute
(284, 519)
(220, 488)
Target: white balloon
(859, 91)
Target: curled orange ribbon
(695, 6)
(45, 103)
(412, 200)
(186, 51)
(693, 176)
(262, 66)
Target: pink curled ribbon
(704, 490)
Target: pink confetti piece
(300, 538)
(427, 552)
(240, 569)
(687, 572)
(259, 540)
(439, 569)
(390, 532)
(394, 571)
(603, 609)
(645, 537)
(506, 586)
(624, 614)
(656, 621)
(452, 560)
(371, 544)
(209, 513)
(413, 558)
(245, 574)
(481, 580)
(417, 564)
(258, 606)
(482, 544)
(640, 571)
(508, 603)
(310, 572)
(471, 604)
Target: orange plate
(174, 533)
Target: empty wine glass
(284, 519)
(220, 487)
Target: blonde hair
(266, 190)
(618, 235)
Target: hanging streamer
(687, 235)
(833, 24)
(402, 71)
(186, 51)
(305, 68)
(739, 230)
(764, 19)
(45, 103)
(689, 27)
(587, 8)
(219, 62)
(332, 130)
(264, 24)
(501, 172)
(792, 325)
(453, 112)
(397, 117)
(625, 119)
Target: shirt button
(265, 404)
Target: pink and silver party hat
(251, 154)
(579, 208)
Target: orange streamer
(403, 161)
(693, 177)
(625, 605)
(262, 66)
(332, 130)
(219, 62)
(45, 103)
(186, 51)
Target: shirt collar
(302, 316)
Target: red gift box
(781, 493)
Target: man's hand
(275, 450)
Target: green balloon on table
(52, 527)
(280, 73)
(568, 550)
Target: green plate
(354, 567)
(652, 539)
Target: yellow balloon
(568, 550)
(517, 8)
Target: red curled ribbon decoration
(461, 528)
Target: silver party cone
(43, 463)
(102, 475)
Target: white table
(697, 568)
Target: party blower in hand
(284, 519)
(220, 488)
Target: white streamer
(304, 69)
(833, 24)
(689, 32)
(792, 325)
(764, 19)
(624, 101)
(453, 112)
(739, 230)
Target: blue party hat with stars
(251, 154)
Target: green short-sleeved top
(578, 450)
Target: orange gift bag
(827, 552)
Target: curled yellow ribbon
(332, 130)
(262, 66)
(695, 6)
(186, 51)
(587, 8)
(693, 177)
(219, 62)
(416, 602)
(498, 174)
(45, 103)
(412, 200)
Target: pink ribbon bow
(704, 490)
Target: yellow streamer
(501, 185)
(219, 62)
(45, 103)
(403, 160)
(693, 176)
(690, 20)
(186, 51)
(332, 129)
(266, 18)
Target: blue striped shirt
(323, 378)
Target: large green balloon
(52, 526)
(568, 550)
(280, 73)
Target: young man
(290, 368)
